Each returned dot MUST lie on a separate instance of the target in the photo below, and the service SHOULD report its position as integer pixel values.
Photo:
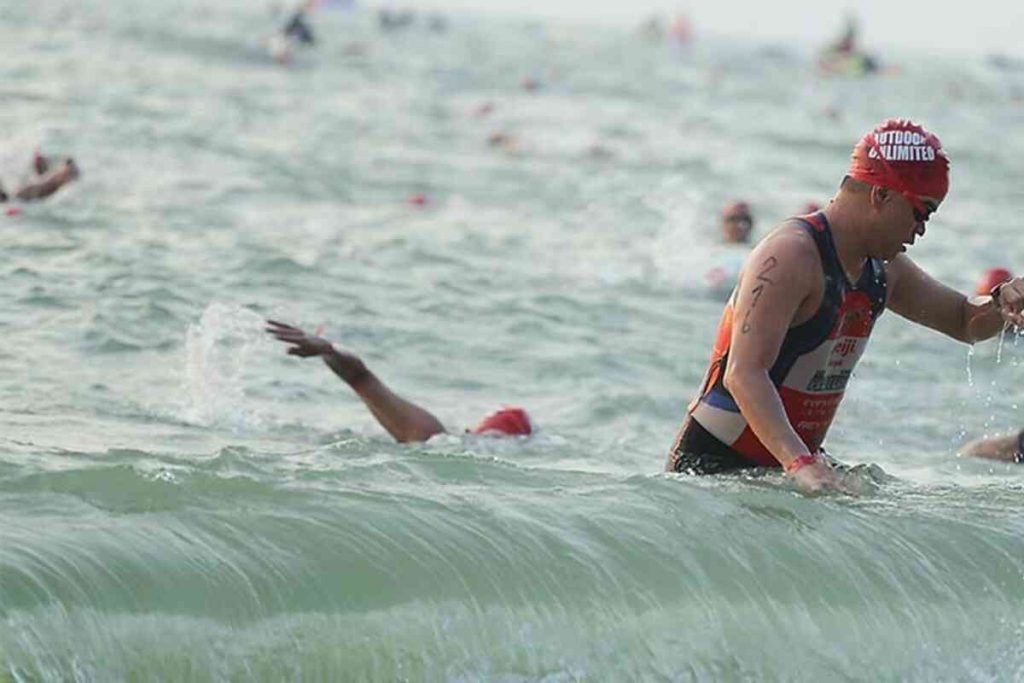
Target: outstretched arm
(917, 296)
(404, 420)
(1006, 448)
(48, 183)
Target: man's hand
(819, 476)
(302, 344)
(345, 364)
(1009, 297)
(71, 169)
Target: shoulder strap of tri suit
(817, 227)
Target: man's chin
(892, 253)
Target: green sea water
(179, 500)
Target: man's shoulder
(790, 240)
(791, 253)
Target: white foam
(217, 351)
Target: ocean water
(180, 500)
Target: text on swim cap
(902, 145)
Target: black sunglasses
(923, 216)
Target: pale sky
(982, 26)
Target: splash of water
(217, 351)
(970, 356)
(999, 345)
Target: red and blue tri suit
(815, 362)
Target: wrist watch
(994, 293)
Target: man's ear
(879, 195)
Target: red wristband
(800, 461)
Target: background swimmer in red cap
(992, 278)
(806, 303)
(736, 223)
(403, 419)
(46, 180)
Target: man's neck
(846, 235)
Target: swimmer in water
(806, 303)
(403, 419)
(990, 279)
(46, 180)
(736, 223)
(297, 28)
(844, 55)
(847, 42)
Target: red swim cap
(737, 208)
(903, 156)
(511, 421)
(992, 277)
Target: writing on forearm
(763, 281)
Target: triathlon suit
(810, 373)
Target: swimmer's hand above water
(345, 364)
(403, 419)
(1009, 298)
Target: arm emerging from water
(404, 420)
(49, 182)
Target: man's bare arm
(48, 183)
(919, 297)
(1005, 448)
(777, 280)
(404, 420)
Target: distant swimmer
(391, 20)
(680, 30)
(297, 28)
(736, 223)
(844, 57)
(652, 29)
(296, 31)
(503, 140)
(46, 179)
(990, 279)
(404, 420)
(806, 303)
(847, 42)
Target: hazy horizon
(984, 26)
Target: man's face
(903, 221)
(736, 227)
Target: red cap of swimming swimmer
(992, 277)
(903, 156)
(737, 208)
(511, 421)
